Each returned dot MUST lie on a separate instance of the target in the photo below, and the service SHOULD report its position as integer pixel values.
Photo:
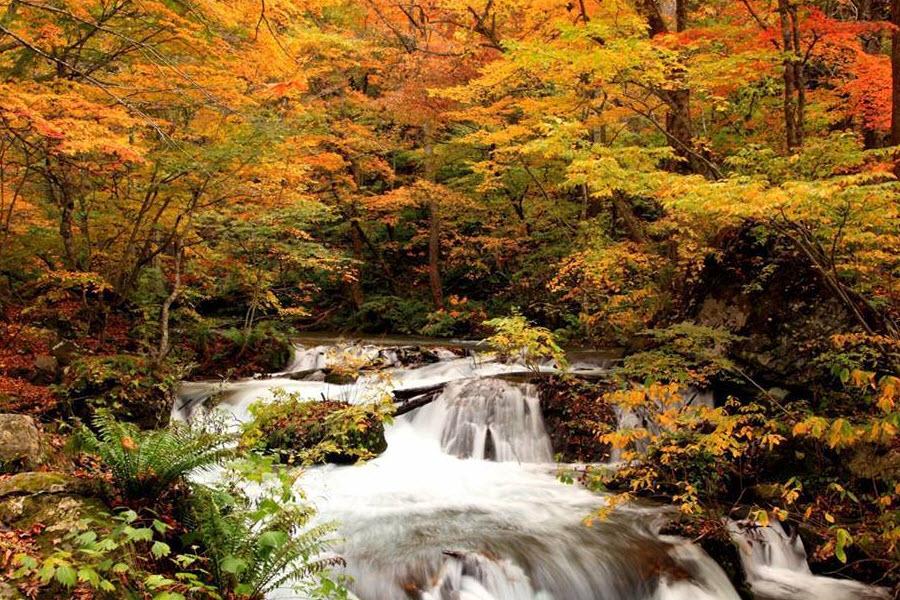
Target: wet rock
(315, 432)
(40, 482)
(760, 288)
(8, 592)
(20, 443)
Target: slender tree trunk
(676, 95)
(164, 313)
(356, 292)
(67, 208)
(651, 11)
(434, 226)
(793, 124)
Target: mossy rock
(55, 500)
(574, 411)
(317, 432)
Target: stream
(465, 504)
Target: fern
(147, 463)
(256, 548)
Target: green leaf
(233, 565)
(67, 576)
(159, 526)
(842, 540)
(160, 549)
(46, 572)
(120, 568)
(89, 575)
(273, 539)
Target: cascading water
(776, 568)
(463, 505)
(488, 419)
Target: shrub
(389, 314)
(460, 318)
(131, 386)
(147, 464)
(312, 432)
(514, 336)
(684, 352)
(237, 352)
(119, 558)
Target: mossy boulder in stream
(574, 413)
(316, 432)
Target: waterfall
(464, 504)
(776, 569)
(488, 419)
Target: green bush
(313, 432)
(119, 558)
(684, 352)
(133, 387)
(264, 349)
(392, 314)
(514, 336)
(460, 318)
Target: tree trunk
(650, 10)
(793, 94)
(356, 292)
(164, 347)
(434, 226)
(67, 207)
(677, 95)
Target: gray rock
(40, 482)
(20, 443)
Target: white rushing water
(464, 505)
(775, 566)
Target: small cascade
(776, 568)
(488, 419)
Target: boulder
(55, 500)
(20, 443)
